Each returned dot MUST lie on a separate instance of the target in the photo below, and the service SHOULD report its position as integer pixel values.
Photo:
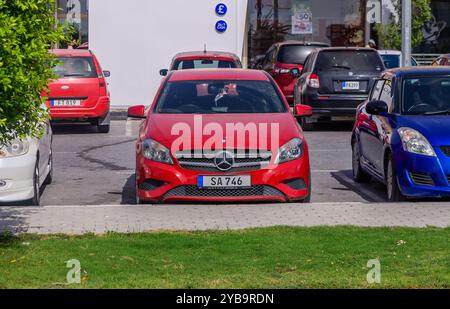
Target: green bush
(390, 35)
(27, 32)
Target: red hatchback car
(221, 135)
(282, 57)
(81, 92)
(203, 60)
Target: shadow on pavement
(12, 221)
(373, 192)
(129, 191)
(73, 128)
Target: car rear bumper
(179, 184)
(16, 178)
(100, 110)
(334, 105)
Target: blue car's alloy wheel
(358, 173)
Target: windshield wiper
(341, 67)
(445, 112)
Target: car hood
(162, 127)
(435, 128)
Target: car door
(368, 130)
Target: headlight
(290, 151)
(154, 151)
(415, 142)
(14, 149)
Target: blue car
(402, 133)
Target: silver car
(25, 166)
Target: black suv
(334, 81)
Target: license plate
(224, 182)
(350, 85)
(66, 102)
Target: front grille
(243, 162)
(446, 150)
(193, 191)
(422, 179)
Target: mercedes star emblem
(224, 161)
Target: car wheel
(36, 200)
(103, 128)
(359, 175)
(49, 179)
(305, 125)
(393, 191)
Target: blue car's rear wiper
(444, 112)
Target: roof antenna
(204, 51)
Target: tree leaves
(27, 32)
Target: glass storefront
(75, 13)
(337, 22)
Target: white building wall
(134, 39)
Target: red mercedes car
(81, 92)
(203, 60)
(221, 135)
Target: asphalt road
(98, 169)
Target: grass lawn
(279, 257)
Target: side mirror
(303, 110)
(295, 72)
(377, 107)
(137, 112)
(163, 72)
(106, 73)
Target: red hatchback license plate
(68, 102)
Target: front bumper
(16, 178)
(423, 176)
(100, 110)
(179, 184)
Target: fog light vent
(2, 183)
(296, 184)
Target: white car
(25, 166)
(393, 59)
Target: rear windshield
(349, 60)
(296, 54)
(204, 64)
(220, 97)
(82, 67)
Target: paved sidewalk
(77, 220)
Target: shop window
(338, 23)
(76, 14)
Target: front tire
(36, 200)
(305, 125)
(359, 175)
(103, 129)
(393, 190)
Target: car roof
(71, 52)
(218, 74)
(420, 71)
(348, 49)
(303, 43)
(206, 55)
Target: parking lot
(98, 169)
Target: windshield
(426, 95)
(350, 60)
(204, 64)
(296, 54)
(76, 67)
(220, 97)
